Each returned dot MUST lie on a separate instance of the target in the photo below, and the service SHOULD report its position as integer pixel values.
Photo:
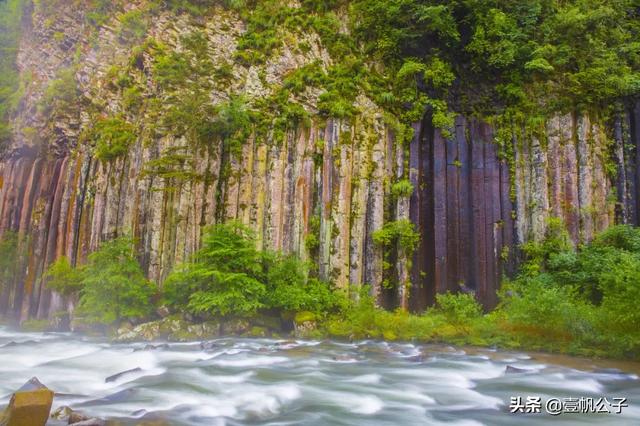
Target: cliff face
(319, 189)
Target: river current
(234, 381)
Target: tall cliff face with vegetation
(411, 146)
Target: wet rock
(90, 422)
(235, 327)
(62, 413)
(80, 325)
(270, 323)
(121, 396)
(304, 324)
(151, 347)
(163, 311)
(607, 371)
(418, 358)
(60, 322)
(173, 328)
(514, 370)
(256, 331)
(76, 417)
(148, 332)
(344, 358)
(207, 346)
(119, 375)
(29, 406)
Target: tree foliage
(113, 284)
(64, 278)
(559, 54)
(11, 258)
(229, 276)
(584, 297)
(112, 138)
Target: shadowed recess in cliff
(463, 210)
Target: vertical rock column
(463, 211)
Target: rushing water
(282, 382)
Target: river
(233, 381)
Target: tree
(226, 276)
(114, 286)
(64, 278)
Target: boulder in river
(94, 421)
(514, 370)
(173, 328)
(124, 373)
(62, 413)
(29, 406)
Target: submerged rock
(29, 406)
(124, 373)
(62, 413)
(90, 422)
(514, 370)
(120, 396)
(76, 417)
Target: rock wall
(463, 209)
(320, 191)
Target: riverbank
(439, 327)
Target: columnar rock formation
(320, 191)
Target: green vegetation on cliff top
(516, 59)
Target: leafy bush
(363, 320)
(61, 92)
(402, 188)
(458, 309)
(402, 232)
(583, 299)
(133, 25)
(64, 278)
(290, 289)
(113, 284)
(226, 276)
(113, 137)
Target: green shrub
(61, 92)
(64, 278)
(623, 237)
(290, 289)
(10, 28)
(226, 276)
(114, 286)
(133, 25)
(402, 232)
(458, 309)
(112, 137)
(402, 188)
(581, 301)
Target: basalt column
(627, 138)
(463, 211)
